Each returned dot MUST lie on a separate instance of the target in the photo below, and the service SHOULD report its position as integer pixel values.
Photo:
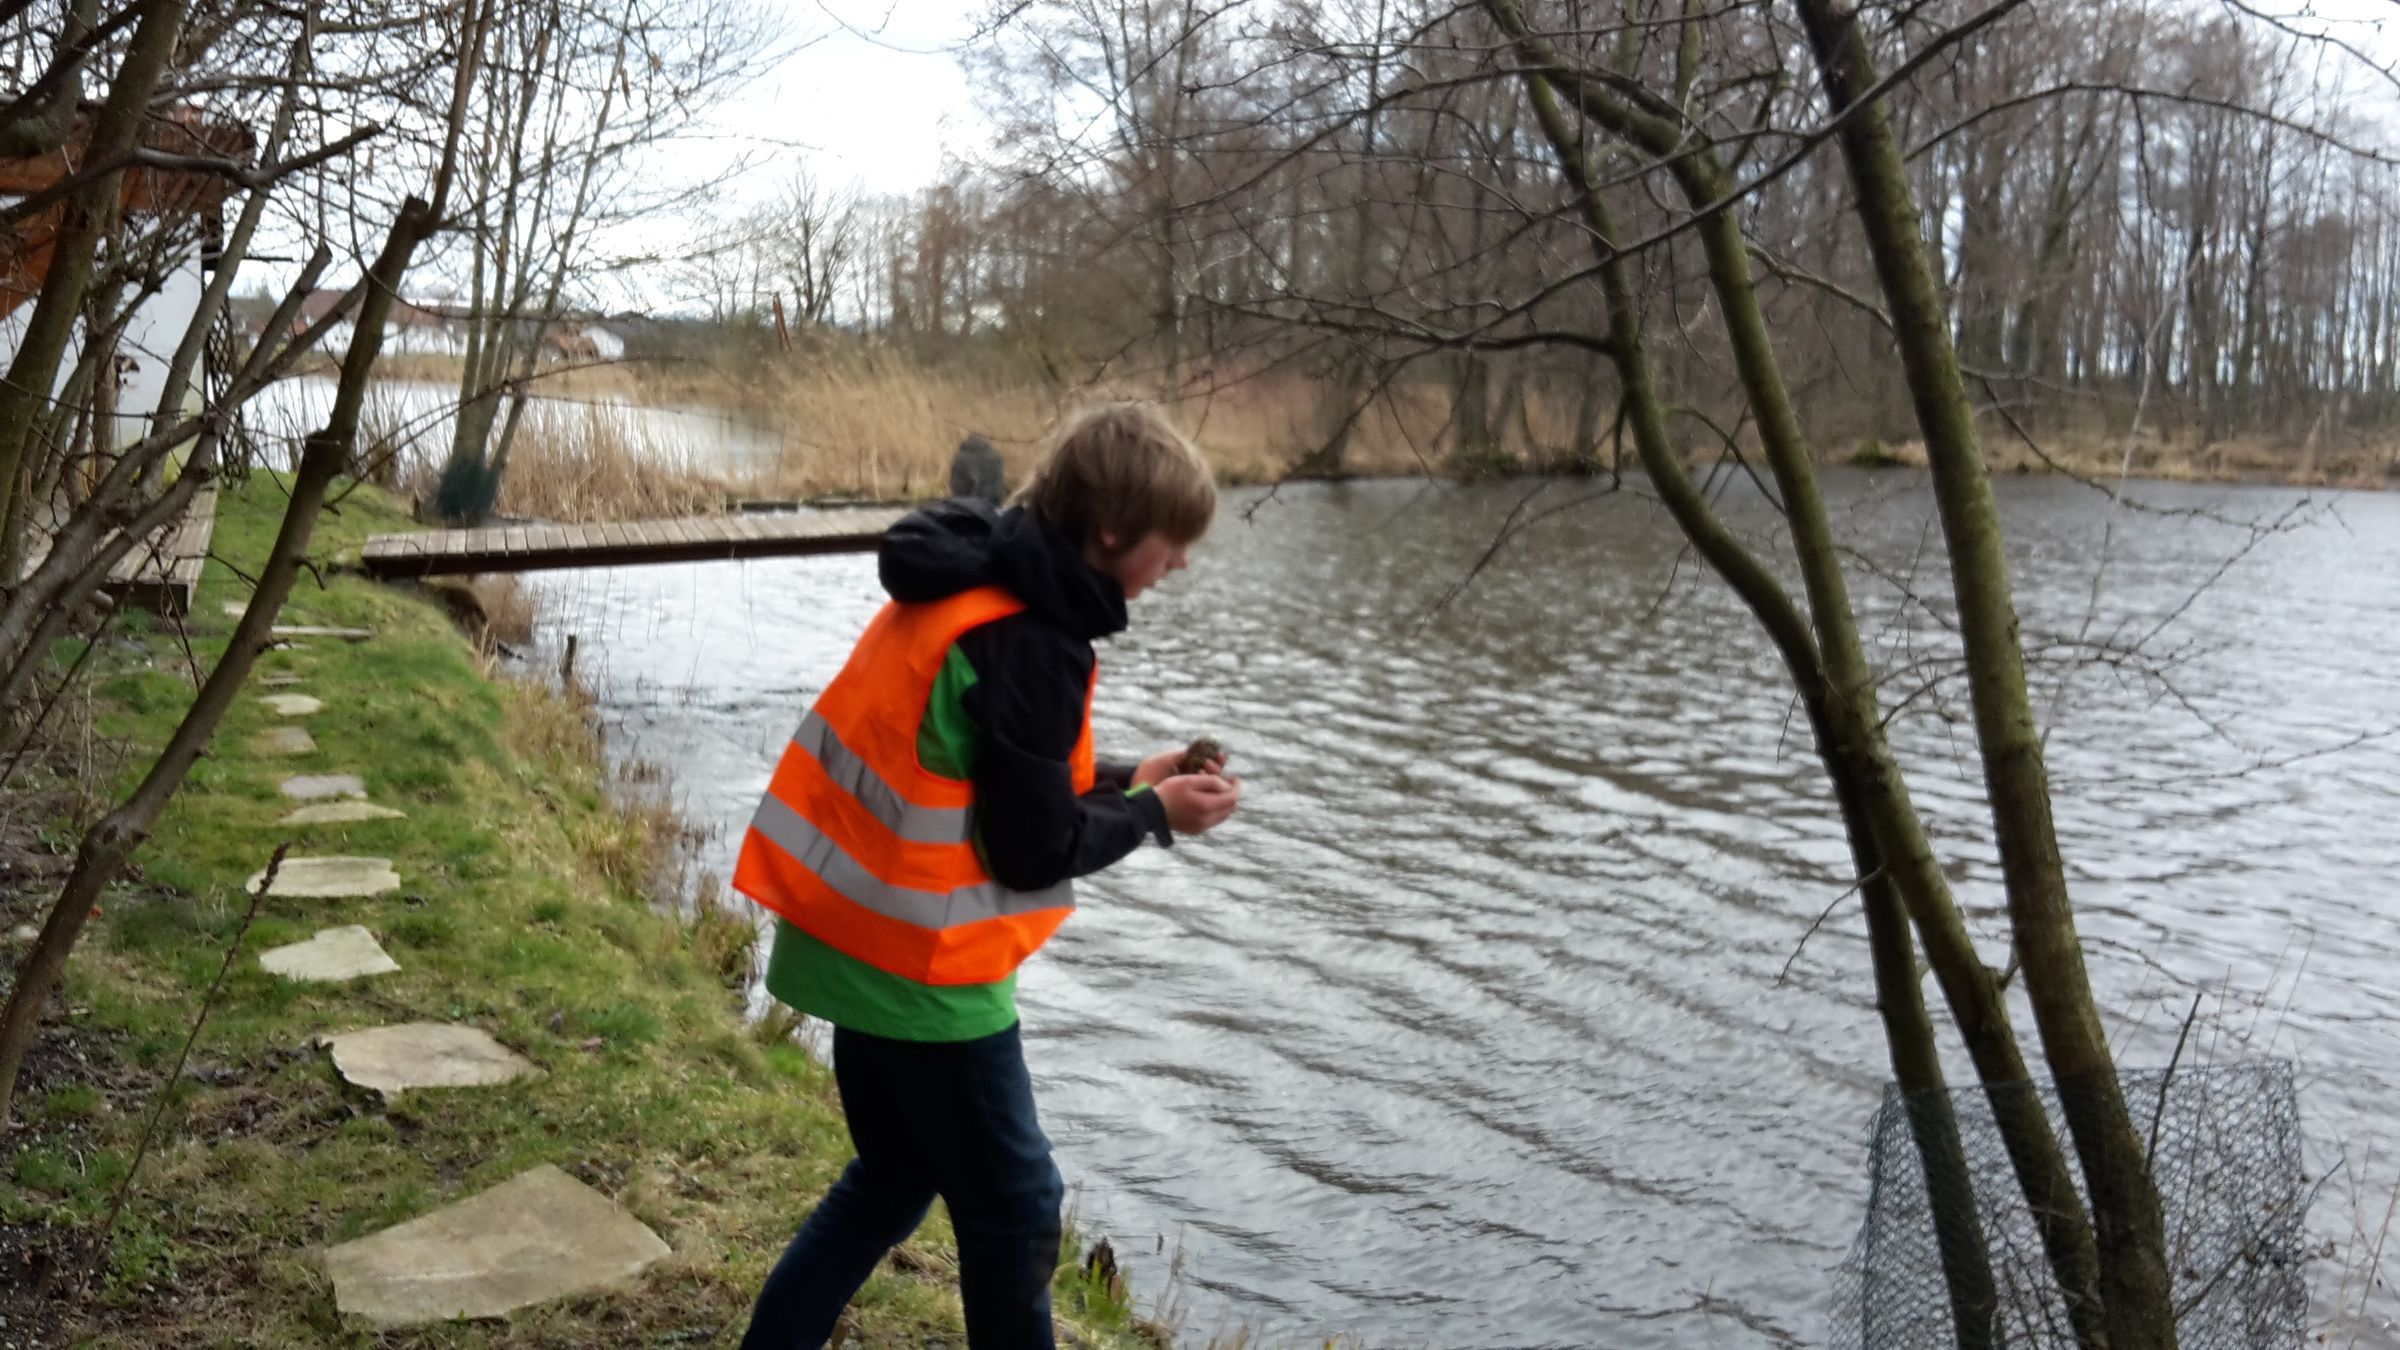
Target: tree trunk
(1867, 786)
(109, 843)
(1837, 686)
(2135, 1286)
(87, 216)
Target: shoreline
(883, 427)
(528, 907)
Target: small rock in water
(24, 932)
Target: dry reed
(882, 423)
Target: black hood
(957, 545)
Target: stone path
(334, 878)
(315, 787)
(336, 954)
(540, 1236)
(284, 741)
(340, 813)
(424, 1055)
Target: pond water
(1469, 1029)
(418, 418)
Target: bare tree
(129, 499)
(811, 237)
(585, 97)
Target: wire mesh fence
(2224, 1142)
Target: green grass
(515, 915)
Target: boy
(918, 842)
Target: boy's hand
(1198, 802)
(1160, 767)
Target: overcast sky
(874, 94)
(877, 96)
(871, 96)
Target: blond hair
(1124, 470)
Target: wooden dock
(532, 548)
(161, 572)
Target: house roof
(178, 131)
(26, 246)
(320, 302)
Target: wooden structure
(26, 245)
(160, 572)
(531, 548)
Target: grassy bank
(882, 422)
(2331, 462)
(522, 911)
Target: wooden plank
(610, 544)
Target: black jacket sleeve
(1027, 702)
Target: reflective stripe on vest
(847, 771)
(862, 847)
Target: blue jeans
(947, 1118)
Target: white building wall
(425, 340)
(150, 340)
(149, 344)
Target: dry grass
(592, 463)
(884, 424)
(881, 423)
(2171, 458)
(566, 380)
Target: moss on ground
(520, 913)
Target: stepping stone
(341, 813)
(278, 681)
(235, 609)
(292, 705)
(346, 953)
(329, 878)
(303, 630)
(540, 1236)
(284, 741)
(316, 787)
(24, 932)
(424, 1055)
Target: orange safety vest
(862, 847)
